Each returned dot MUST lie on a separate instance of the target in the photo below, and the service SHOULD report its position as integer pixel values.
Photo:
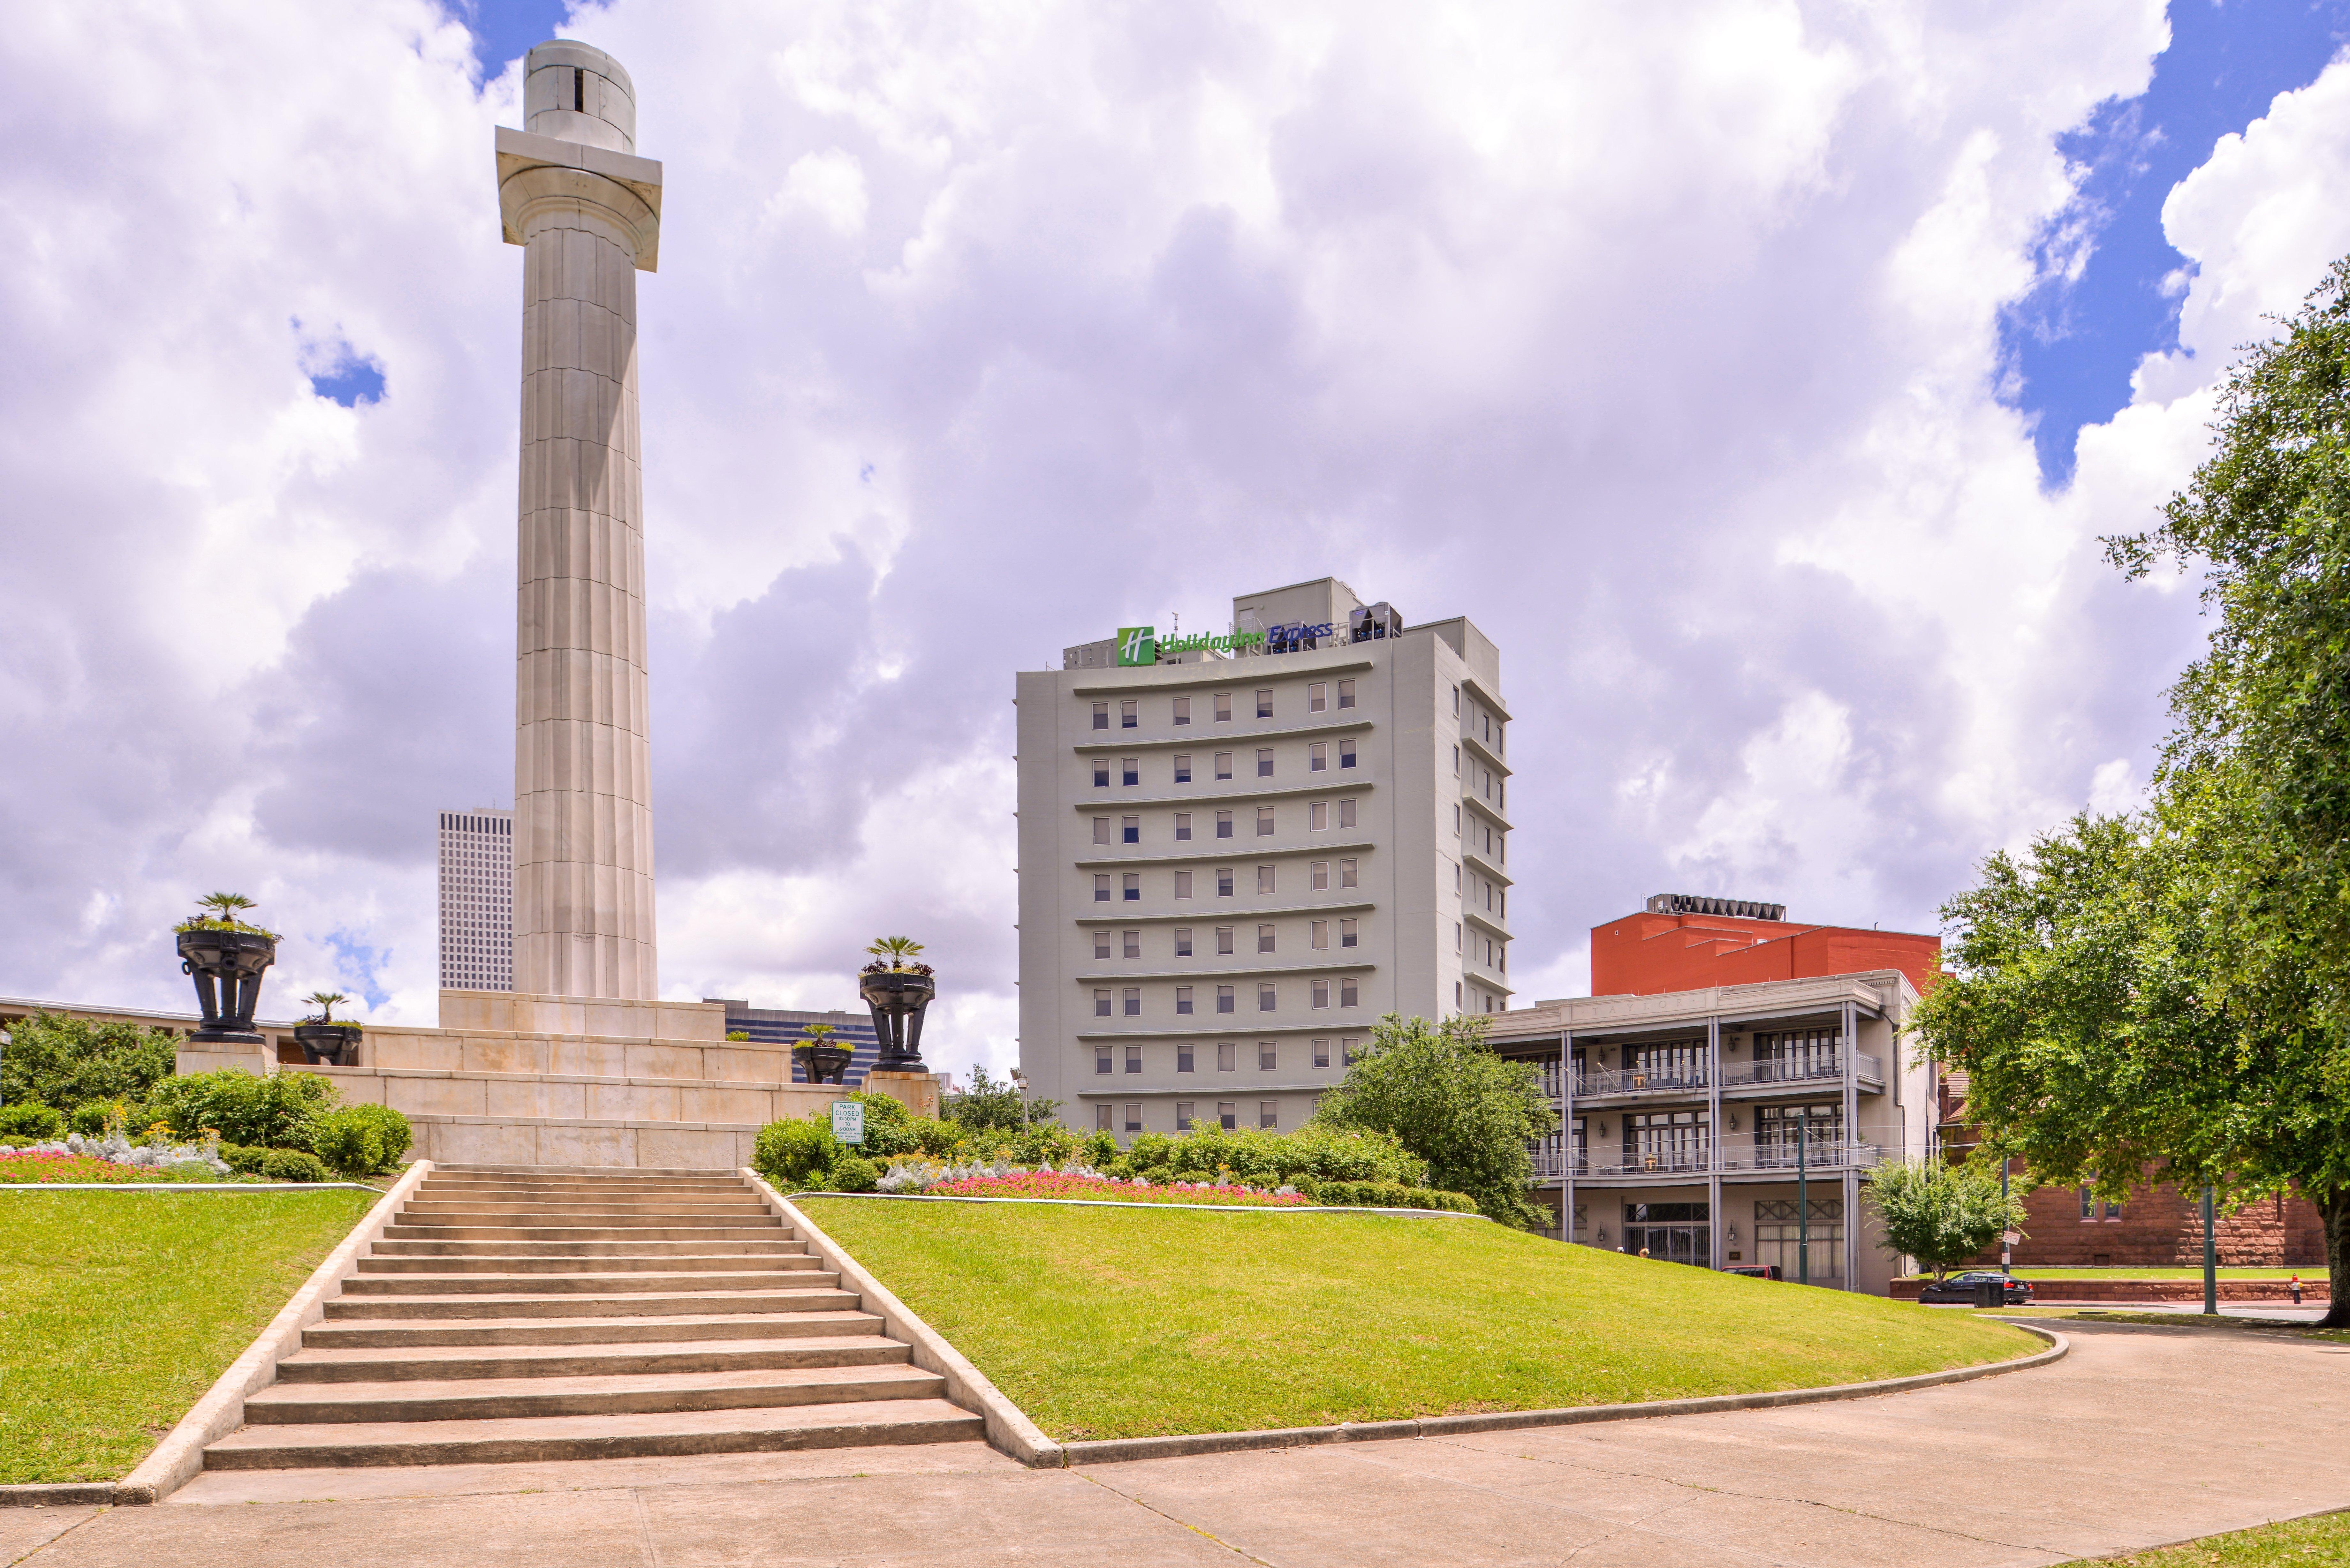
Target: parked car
(1968, 1288)
(1755, 1271)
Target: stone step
(620, 1208)
(715, 1326)
(715, 1182)
(606, 1262)
(760, 1248)
(685, 1302)
(599, 1172)
(505, 1398)
(583, 1219)
(772, 1230)
(548, 1438)
(734, 1277)
(406, 1363)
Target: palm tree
(225, 907)
(817, 1033)
(325, 1002)
(899, 951)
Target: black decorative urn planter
(328, 1044)
(822, 1063)
(227, 966)
(898, 998)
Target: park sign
(1143, 645)
(848, 1121)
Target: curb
(1179, 1207)
(1120, 1450)
(57, 1494)
(1009, 1430)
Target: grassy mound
(119, 1310)
(1105, 1323)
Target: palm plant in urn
(226, 956)
(326, 1039)
(821, 1058)
(898, 990)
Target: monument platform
(511, 1079)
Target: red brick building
(2160, 1226)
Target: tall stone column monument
(587, 212)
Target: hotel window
(1347, 877)
(1350, 1049)
(1347, 934)
(1101, 944)
(1267, 999)
(1129, 718)
(1456, 996)
(1133, 888)
(1264, 704)
(1132, 941)
(1456, 701)
(1224, 998)
(1223, 764)
(1225, 1116)
(1501, 741)
(1264, 762)
(1317, 696)
(1321, 936)
(1318, 816)
(1346, 814)
(1345, 693)
(1101, 890)
(1223, 824)
(1130, 770)
(1456, 879)
(1183, 768)
(1223, 939)
(1224, 706)
(1317, 757)
(1457, 946)
(1184, 1062)
(1101, 830)
(1320, 994)
(1101, 773)
(1264, 939)
(1182, 710)
(1226, 1057)
(1264, 879)
(1264, 822)
(1182, 884)
(1134, 1059)
(1318, 873)
(1347, 995)
(1101, 1059)
(1182, 999)
(1346, 754)
(1182, 827)
(1456, 761)
(1134, 1001)
(1182, 1114)
(1268, 1114)
(1182, 941)
(1223, 881)
(1130, 829)
(1101, 715)
(1456, 822)
(1321, 1053)
(1101, 1118)
(1134, 1118)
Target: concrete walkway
(2143, 1435)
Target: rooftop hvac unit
(1373, 622)
(1737, 908)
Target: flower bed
(1085, 1186)
(63, 1166)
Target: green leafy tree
(1449, 1100)
(989, 1106)
(72, 1062)
(1941, 1213)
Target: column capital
(533, 169)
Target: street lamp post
(2210, 1259)
(1802, 1197)
(2006, 1230)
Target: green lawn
(1109, 1324)
(2296, 1543)
(117, 1310)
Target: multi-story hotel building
(477, 900)
(1237, 852)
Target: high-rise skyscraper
(587, 212)
(477, 900)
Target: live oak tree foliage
(1941, 1213)
(1444, 1094)
(2172, 989)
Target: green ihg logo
(1138, 645)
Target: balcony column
(1566, 1134)
(1851, 1133)
(1713, 1137)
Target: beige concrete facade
(1679, 1124)
(1323, 830)
(587, 212)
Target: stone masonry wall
(2162, 1226)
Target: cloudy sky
(1758, 376)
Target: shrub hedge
(30, 1122)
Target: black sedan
(1968, 1288)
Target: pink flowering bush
(45, 1164)
(1103, 1188)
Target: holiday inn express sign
(1141, 644)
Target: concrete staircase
(515, 1313)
